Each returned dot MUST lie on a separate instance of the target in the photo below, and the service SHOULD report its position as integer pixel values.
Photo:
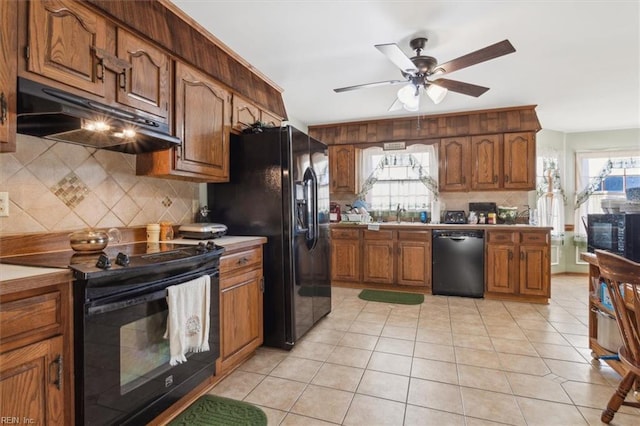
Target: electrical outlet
(4, 204)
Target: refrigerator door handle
(311, 193)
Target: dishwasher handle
(458, 235)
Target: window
(600, 175)
(399, 177)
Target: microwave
(617, 233)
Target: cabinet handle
(58, 380)
(506, 178)
(495, 178)
(100, 70)
(242, 261)
(521, 255)
(262, 284)
(3, 108)
(122, 79)
(510, 255)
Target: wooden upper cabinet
(63, 38)
(455, 164)
(486, 167)
(202, 123)
(8, 73)
(144, 83)
(245, 113)
(520, 160)
(270, 119)
(342, 169)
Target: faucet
(399, 212)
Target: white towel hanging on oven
(188, 320)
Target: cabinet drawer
(534, 238)
(244, 259)
(414, 235)
(345, 234)
(37, 316)
(227, 282)
(378, 235)
(502, 237)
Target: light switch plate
(4, 204)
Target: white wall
(566, 145)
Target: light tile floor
(448, 361)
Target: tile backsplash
(56, 186)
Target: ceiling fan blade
(490, 52)
(397, 56)
(460, 87)
(395, 106)
(367, 85)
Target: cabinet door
(454, 164)
(243, 113)
(534, 270)
(8, 73)
(63, 36)
(414, 262)
(345, 260)
(519, 161)
(203, 124)
(146, 85)
(31, 383)
(270, 119)
(378, 261)
(342, 168)
(501, 269)
(241, 314)
(486, 167)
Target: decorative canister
(166, 231)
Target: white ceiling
(579, 61)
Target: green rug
(392, 297)
(218, 411)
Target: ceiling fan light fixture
(436, 93)
(407, 94)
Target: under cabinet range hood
(60, 116)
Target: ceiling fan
(419, 70)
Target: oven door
(122, 358)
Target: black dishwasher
(458, 263)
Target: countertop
(17, 272)
(420, 225)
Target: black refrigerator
(279, 188)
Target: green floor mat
(218, 411)
(392, 297)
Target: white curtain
(372, 163)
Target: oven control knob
(201, 248)
(122, 259)
(211, 246)
(103, 262)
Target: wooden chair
(616, 270)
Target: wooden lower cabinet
(29, 379)
(518, 264)
(241, 294)
(345, 255)
(378, 257)
(414, 258)
(36, 354)
(384, 257)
